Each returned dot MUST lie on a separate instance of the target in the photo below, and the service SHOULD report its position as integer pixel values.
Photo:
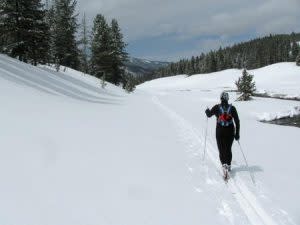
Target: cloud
(170, 49)
(191, 19)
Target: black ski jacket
(216, 111)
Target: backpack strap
(229, 109)
(222, 112)
(221, 109)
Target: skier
(225, 130)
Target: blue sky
(169, 30)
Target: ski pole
(204, 151)
(251, 175)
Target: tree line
(250, 55)
(50, 33)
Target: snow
(278, 115)
(272, 150)
(281, 78)
(74, 153)
(146, 61)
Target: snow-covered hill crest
(283, 78)
(70, 83)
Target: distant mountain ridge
(138, 66)
(253, 54)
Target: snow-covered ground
(278, 115)
(73, 153)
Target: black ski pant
(225, 137)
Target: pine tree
(245, 86)
(50, 20)
(108, 51)
(3, 37)
(119, 53)
(294, 46)
(103, 82)
(65, 49)
(38, 38)
(295, 51)
(101, 48)
(129, 82)
(24, 32)
(211, 63)
(192, 66)
(84, 44)
(298, 59)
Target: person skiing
(226, 132)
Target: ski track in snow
(238, 190)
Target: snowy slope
(280, 78)
(272, 150)
(73, 153)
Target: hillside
(73, 153)
(140, 67)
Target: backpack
(225, 118)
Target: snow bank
(265, 117)
(280, 78)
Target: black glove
(207, 112)
(237, 136)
